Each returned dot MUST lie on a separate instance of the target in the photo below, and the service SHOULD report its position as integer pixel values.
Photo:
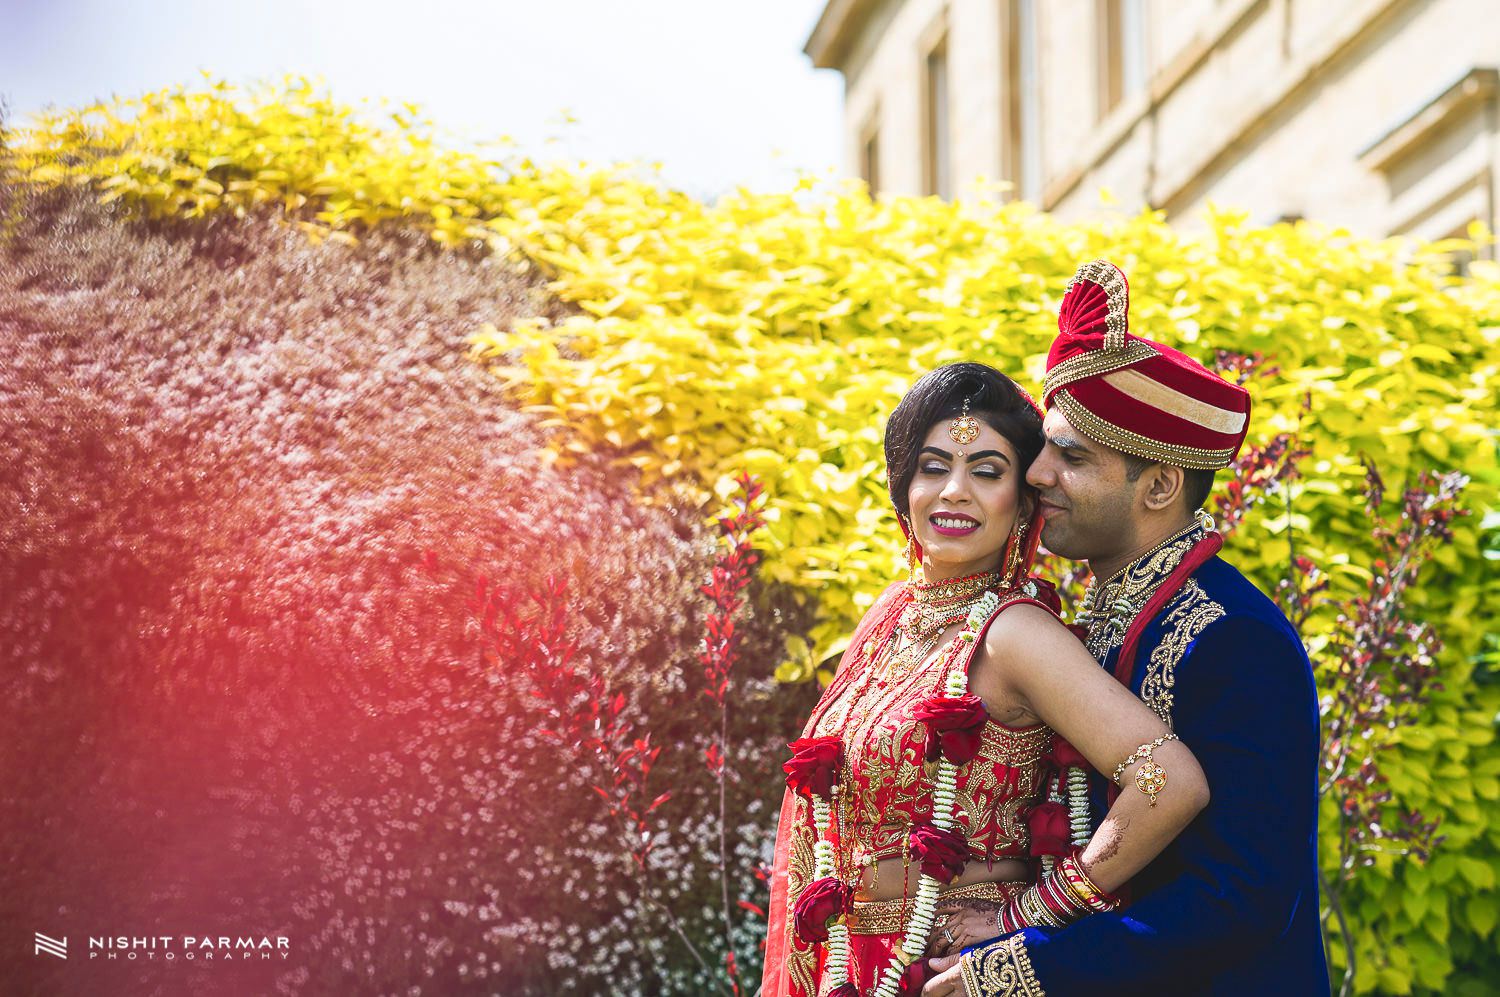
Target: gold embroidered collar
(1110, 607)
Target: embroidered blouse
(884, 789)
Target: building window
(1021, 155)
(938, 167)
(869, 156)
(1121, 31)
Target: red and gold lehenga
(869, 708)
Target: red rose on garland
(814, 766)
(953, 724)
(820, 903)
(1063, 755)
(942, 854)
(844, 990)
(1049, 829)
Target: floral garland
(955, 719)
(1068, 794)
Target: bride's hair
(993, 398)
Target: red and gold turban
(1132, 394)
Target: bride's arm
(1031, 668)
(1029, 659)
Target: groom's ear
(1161, 486)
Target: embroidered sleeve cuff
(1000, 969)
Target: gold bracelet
(1151, 778)
(1031, 909)
(1144, 751)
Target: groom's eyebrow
(1064, 441)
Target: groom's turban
(1131, 393)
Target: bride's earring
(911, 552)
(1013, 565)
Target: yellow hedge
(774, 332)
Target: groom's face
(1088, 502)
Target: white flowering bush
(251, 482)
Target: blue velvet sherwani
(1231, 906)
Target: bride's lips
(949, 531)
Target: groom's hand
(949, 982)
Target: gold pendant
(1150, 779)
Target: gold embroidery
(1106, 432)
(984, 804)
(1116, 298)
(883, 917)
(1093, 364)
(1187, 615)
(801, 960)
(872, 714)
(1002, 969)
(1110, 608)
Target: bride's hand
(959, 926)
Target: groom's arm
(1246, 706)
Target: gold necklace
(935, 607)
(934, 604)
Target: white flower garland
(1071, 787)
(944, 797)
(838, 934)
(1078, 806)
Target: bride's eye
(934, 467)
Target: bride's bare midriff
(889, 885)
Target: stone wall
(1376, 115)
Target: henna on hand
(970, 921)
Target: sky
(717, 91)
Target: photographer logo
(51, 946)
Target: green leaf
(1482, 912)
(1479, 873)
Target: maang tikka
(964, 429)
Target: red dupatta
(790, 966)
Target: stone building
(1377, 115)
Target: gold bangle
(1026, 900)
(1074, 890)
(1079, 882)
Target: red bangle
(1070, 868)
(1056, 900)
(1010, 918)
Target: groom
(1135, 431)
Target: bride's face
(964, 500)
